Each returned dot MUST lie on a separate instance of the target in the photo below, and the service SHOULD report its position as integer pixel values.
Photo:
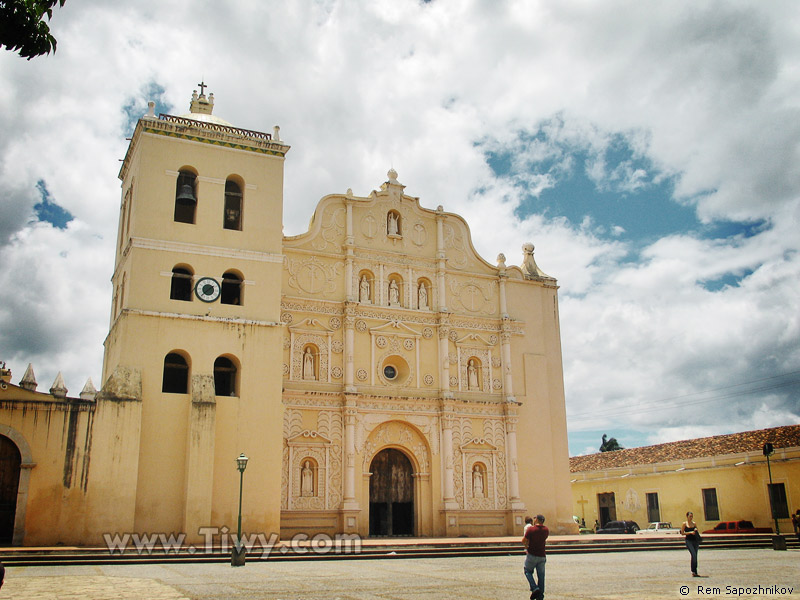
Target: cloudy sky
(650, 151)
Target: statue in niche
(306, 480)
(477, 482)
(472, 375)
(423, 296)
(363, 289)
(308, 364)
(391, 224)
(394, 292)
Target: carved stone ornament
(336, 372)
(453, 381)
(408, 344)
(287, 318)
(496, 362)
(453, 335)
(428, 379)
(427, 333)
(337, 346)
(312, 275)
(335, 322)
(362, 374)
(418, 234)
(285, 370)
(493, 339)
(380, 342)
(361, 325)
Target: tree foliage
(610, 444)
(23, 28)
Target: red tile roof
(717, 445)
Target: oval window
(389, 372)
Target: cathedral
(382, 378)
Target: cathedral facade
(382, 378)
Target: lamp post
(237, 553)
(778, 542)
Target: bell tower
(195, 319)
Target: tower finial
(203, 87)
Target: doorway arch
(10, 461)
(391, 494)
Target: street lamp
(778, 542)
(237, 553)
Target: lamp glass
(241, 462)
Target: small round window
(389, 372)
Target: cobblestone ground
(758, 574)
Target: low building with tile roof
(718, 478)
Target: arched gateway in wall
(397, 468)
(391, 494)
(10, 461)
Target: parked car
(660, 527)
(738, 527)
(619, 527)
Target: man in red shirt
(534, 541)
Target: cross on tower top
(203, 87)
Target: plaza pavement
(640, 574)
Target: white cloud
(706, 94)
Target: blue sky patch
(588, 442)
(727, 280)
(136, 107)
(47, 211)
(622, 193)
(729, 229)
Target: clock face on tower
(207, 289)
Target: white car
(659, 527)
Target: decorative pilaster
(199, 476)
(441, 257)
(502, 277)
(349, 243)
(349, 347)
(505, 337)
(380, 292)
(447, 457)
(444, 364)
(511, 454)
(349, 492)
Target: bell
(186, 194)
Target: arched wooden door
(10, 460)
(391, 494)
